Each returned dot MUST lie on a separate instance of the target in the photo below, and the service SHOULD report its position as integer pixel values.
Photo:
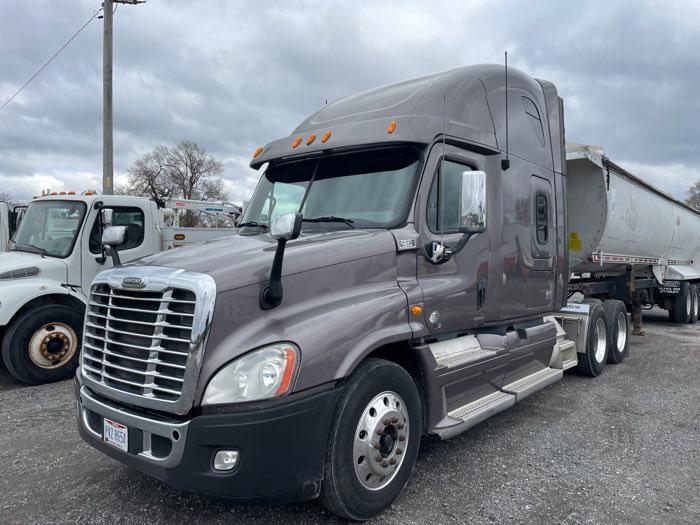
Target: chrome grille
(138, 341)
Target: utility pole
(107, 141)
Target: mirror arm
(111, 250)
(271, 295)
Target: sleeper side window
(541, 218)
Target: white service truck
(53, 257)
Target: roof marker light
(326, 136)
(392, 127)
(71, 193)
(62, 193)
(310, 140)
(296, 142)
(258, 152)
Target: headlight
(260, 374)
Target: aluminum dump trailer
(621, 225)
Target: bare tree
(185, 171)
(694, 195)
(8, 199)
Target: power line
(50, 59)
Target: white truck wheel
(42, 345)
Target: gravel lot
(622, 448)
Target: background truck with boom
(54, 255)
(399, 272)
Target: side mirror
(472, 202)
(113, 236)
(287, 226)
(107, 216)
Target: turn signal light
(416, 310)
(258, 152)
(392, 127)
(296, 142)
(311, 139)
(288, 371)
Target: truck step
(476, 412)
(458, 351)
(532, 383)
(462, 358)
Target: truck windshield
(369, 189)
(50, 228)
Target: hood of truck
(243, 260)
(49, 267)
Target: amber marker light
(416, 310)
(296, 142)
(288, 371)
(326, 136)
(258, 152)
(179, 236)
(392, 127)
(311, 139)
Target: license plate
(115, 434)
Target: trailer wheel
(695, 296)
(42, 344)
(373, 442)
(619, 330)
(592, 361)
(682, 310)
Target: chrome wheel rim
(380, 441)
(600, 340)
(696, 306)
(621, 331)
(53, 345)
(689, 304)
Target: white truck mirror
(107, 216)
(113, 236)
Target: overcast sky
(232, 75)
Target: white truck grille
(138, 341)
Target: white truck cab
(53, 257)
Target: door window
(456, 200)
(131, 218)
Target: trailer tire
(42, 345)
(619, 330)
(361, 480)
(695, 297)
(682, 309)
(592, 361)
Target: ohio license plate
(115, 434)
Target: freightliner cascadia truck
(408, 265)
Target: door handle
(481, 293)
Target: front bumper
(282, 447)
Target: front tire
(42, 345)
(373, 442)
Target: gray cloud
(233, 75)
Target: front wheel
(41, 345)
(373, 442)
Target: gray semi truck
(404, 268)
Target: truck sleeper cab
(393, 277)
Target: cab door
(455, 291)
(137, 241)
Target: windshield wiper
(253, 224)
(32, 249)
(332, 218)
